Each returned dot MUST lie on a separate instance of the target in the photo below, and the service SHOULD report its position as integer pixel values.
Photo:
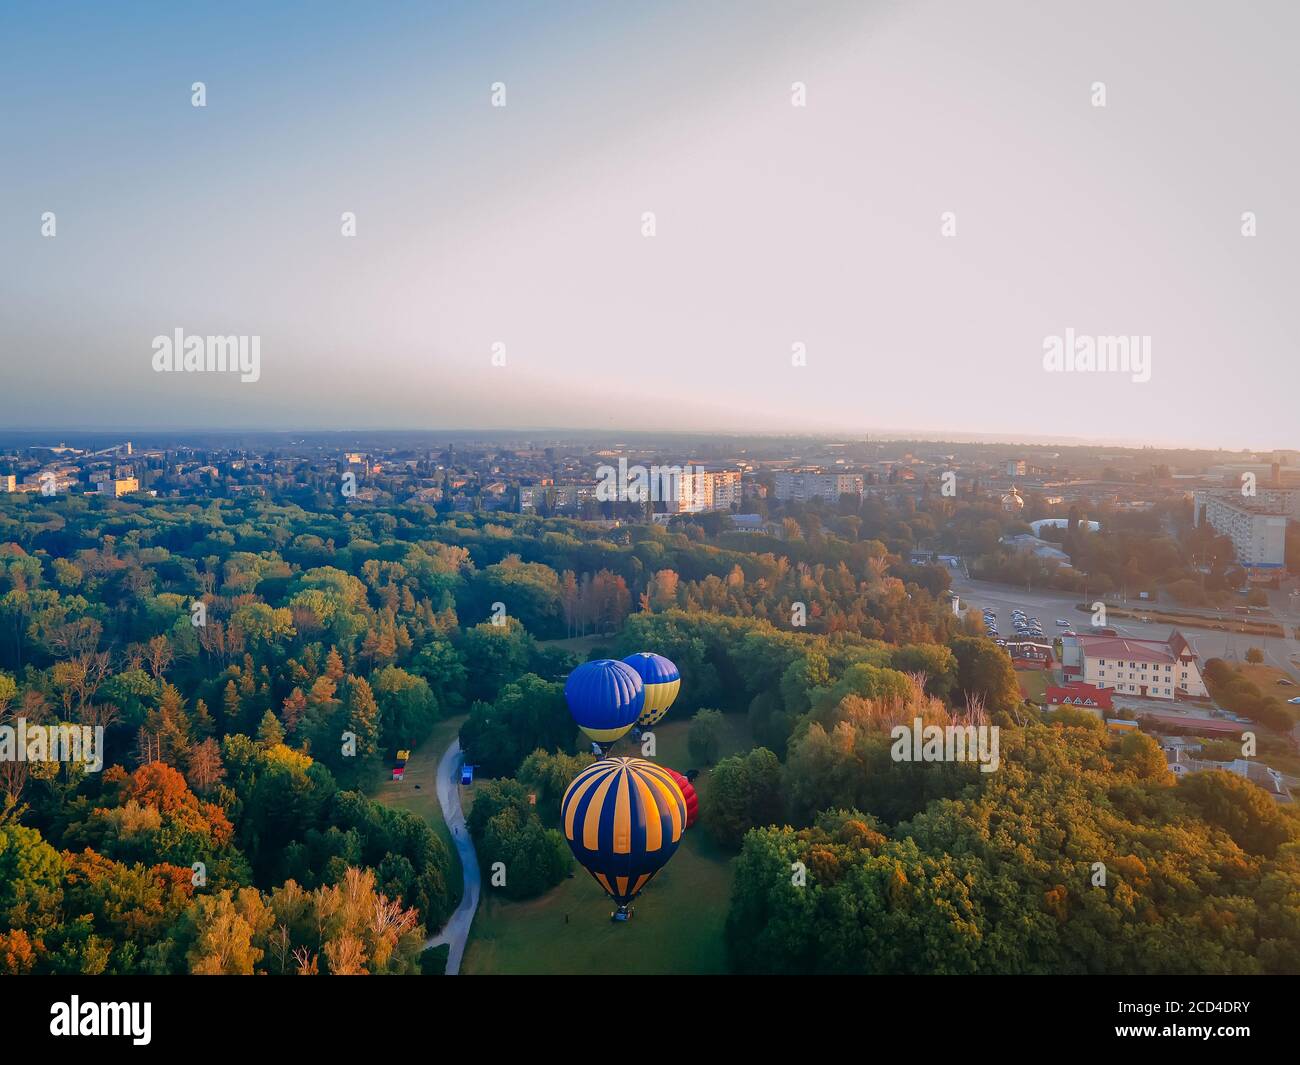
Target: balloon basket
(621, 914)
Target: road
(456, 931)
(1047, 605)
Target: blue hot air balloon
(662, 681)
(605, 698)
(623, 818)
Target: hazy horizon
(775, 225)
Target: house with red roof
(1079, 695)
(1151, 669)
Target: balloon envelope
(662, 681)
(623, 818)
(605, 698)
(688, 793)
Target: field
(418, 792)
(678, 922)
(1267, 678)
(1033, 683)
(579, 645)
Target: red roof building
(1152, 669)
(1078, 694)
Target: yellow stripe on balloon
(658, 698)
(676, 803)
(654, 826)
(607, 735)
(591, 824)
(573, 796)
(622, 814)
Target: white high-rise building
(799, 487)
(698, 491)
(1256, 527)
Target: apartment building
(558, 496)
(799, 487)
(1257, 528)
(698, 491)
(118, 486)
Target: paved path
(456, 932)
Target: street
(1048, 604)
(456, 931)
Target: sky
(520, 229)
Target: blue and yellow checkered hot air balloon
(662, 681)
(605, 698)
(623, 818)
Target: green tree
(744, 791)
(704, 740)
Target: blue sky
(775, 225)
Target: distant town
(1252, 499)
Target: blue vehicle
(467, 774)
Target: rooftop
(1123, 647)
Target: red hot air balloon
(688, 793)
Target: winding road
(456, 931)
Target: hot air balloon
(623, 818)
(605, 698)
(662, 680)
(688, 793)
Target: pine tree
(201, 723)
(363, 717)
(295, 705)
(334, 665)
(270, 732)
(230, 708)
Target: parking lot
(1048, 605)
(1011, 622)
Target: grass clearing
(579, 645)
(418, 791)
(1267, 678)
(678, 923)
(1033, 684)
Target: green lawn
(678, 922)
(580, 645)
(1033, 683)
(418, 790)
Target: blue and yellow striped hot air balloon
(623, 818)
(605, 698)
(662, 681)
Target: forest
(255, 665)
